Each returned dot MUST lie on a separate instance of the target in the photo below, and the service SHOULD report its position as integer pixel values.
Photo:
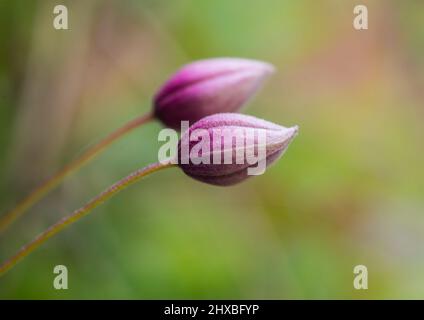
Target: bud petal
(238, 129)
(207, 87)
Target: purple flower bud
(231, 134)
(207, 87)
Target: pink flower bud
(207, 87)
(232, 135)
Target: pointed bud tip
(269, 68)
(290, 134)
(262, 68)
(294, 131)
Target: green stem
(78, 214)
(7, 219)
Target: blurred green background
(349, 191)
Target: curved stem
(7, 219)
(78, 214)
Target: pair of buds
(209, 91)
(206, 93)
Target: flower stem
(7, 219)
(78, 214)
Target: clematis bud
(207, 87)
(223, 149)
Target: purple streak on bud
(207, 87)
(277, 141)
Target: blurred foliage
(349, 191)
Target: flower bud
(207, 87)
(231, 146)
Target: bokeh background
(349, 191)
